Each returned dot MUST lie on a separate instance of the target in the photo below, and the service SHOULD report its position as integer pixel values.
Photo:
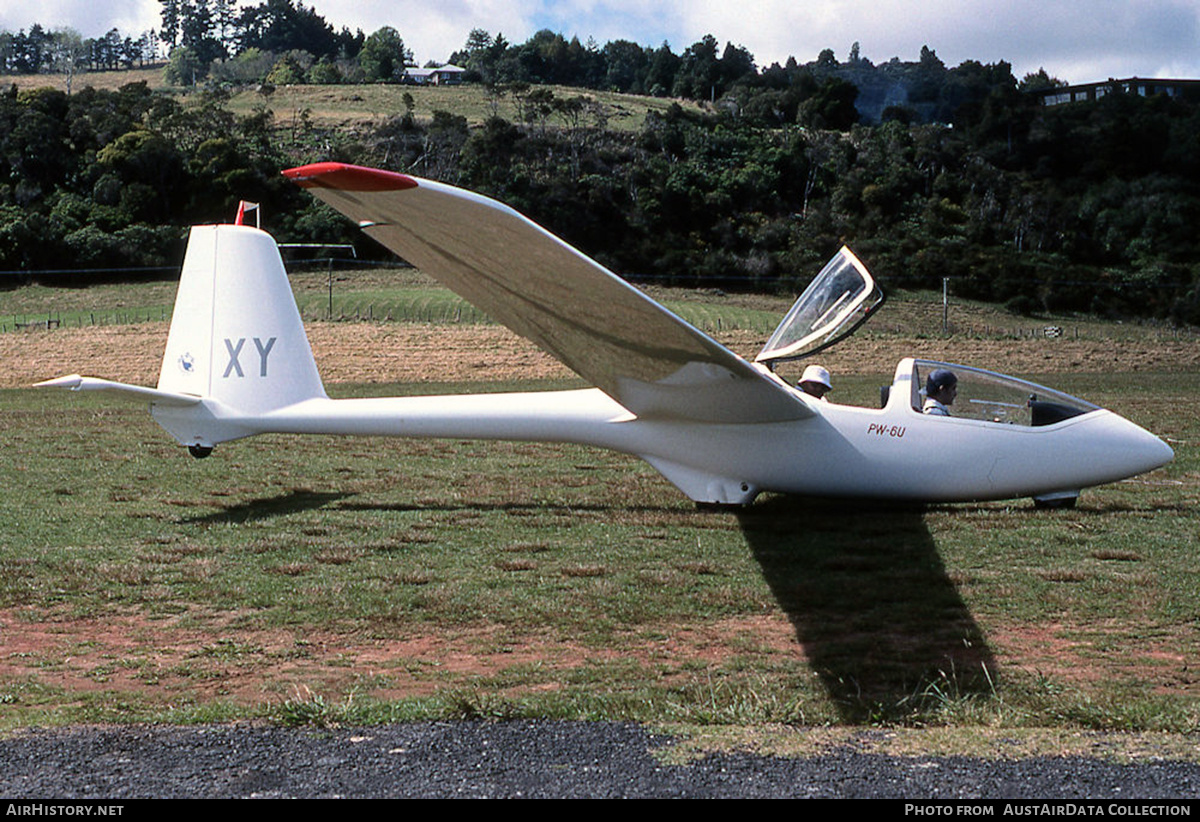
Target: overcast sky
(1075, 40)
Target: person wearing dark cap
(940, 390)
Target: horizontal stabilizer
(74, 382)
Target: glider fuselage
(894, 452)
(721, 428)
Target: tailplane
(236, 349)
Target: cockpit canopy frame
(839, 300)
(990, 396)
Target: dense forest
(927, 171)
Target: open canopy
(837, 302)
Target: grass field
(314, 581)
(324, 580)
(405, 294)
(355, 105)
(349, 106)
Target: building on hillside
(1090, 92)
(447, 75)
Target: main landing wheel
(1055, 503)
(721, 507)
(199, 451)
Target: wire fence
(341, 290)
(704, 317)
(50, 320)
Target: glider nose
(1160, 451)
(1138, 450)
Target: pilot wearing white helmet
(815, 381)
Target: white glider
(720, 428)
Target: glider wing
(607, 331)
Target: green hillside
(357, 106)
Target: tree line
(1087, 207)
(283, 41)
(63, 51)
(1084, 207)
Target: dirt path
(410, 353)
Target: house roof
(425, 72)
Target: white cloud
(431, 30)
(88, 17)
(1081, 40)
(1077, 40)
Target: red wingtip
(348, 177)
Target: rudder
(236, 335)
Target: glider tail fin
(236, 335)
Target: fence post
(945, 305)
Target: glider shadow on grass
(265, 508)
(871, 603)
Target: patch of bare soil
(169, 664)
(345, 353)
(413, 353)
(1068, 653)
(166, 661)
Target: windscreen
(986, 395)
